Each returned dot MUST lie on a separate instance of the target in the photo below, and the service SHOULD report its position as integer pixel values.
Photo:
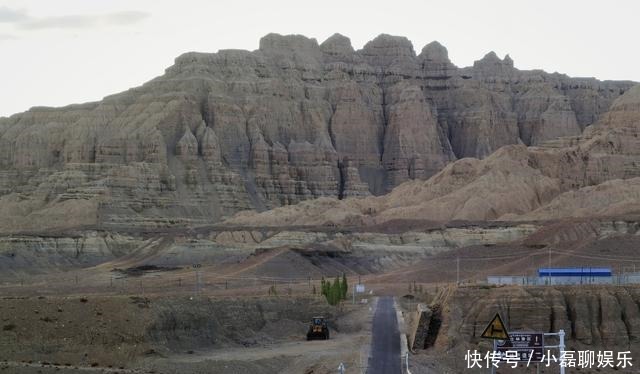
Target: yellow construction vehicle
(318, 329)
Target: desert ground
(242, 301)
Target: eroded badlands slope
(594, 174)
(293, 120)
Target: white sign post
(561, 348)
(196, 268)
(357, 288)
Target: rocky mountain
(595, 174)
(294, 120)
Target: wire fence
(447, 269)
(624, 268)
(187, 283)
(623, 279)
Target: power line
(606, 258)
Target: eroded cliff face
(594, 318)
(595, 174)
(293, 120)
(603, 316)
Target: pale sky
(60, 52)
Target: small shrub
(9, 327)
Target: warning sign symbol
(496, 329)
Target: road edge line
(402, 327)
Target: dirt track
(178, 335)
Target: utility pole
(549, 268)
(354, 294)
(621, 273)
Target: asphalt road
(385, 344)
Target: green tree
(323, 287)
(327, 294)
(337, 290)
(332, 292)
(344, 286)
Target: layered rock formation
(581, 312)
(293, 120)
(594, 174)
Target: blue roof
(575, 272)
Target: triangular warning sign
(496, 329)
